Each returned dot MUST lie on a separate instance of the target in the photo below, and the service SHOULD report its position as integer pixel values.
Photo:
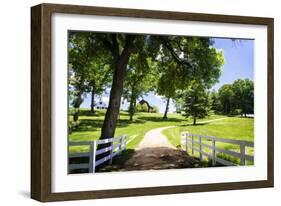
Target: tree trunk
(112, 113)
(167, 108)
(93, 99)
(194, 120)
(78, 102)
(75, 118)
(109, 124)
(131, 113)
(132, 106)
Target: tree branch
(175, 56)
(128, 45)
(111, 46)
(115, 45)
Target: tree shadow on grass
(160, 119)
(126, 122)
(190, 124)
(86, 125)
(98, 113)
(91, 114)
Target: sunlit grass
(90, 126)
(231, 128)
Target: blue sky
(239, 60)
(239, 63)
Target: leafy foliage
(133, 65)
(196, 102)
(244, 95)
(226, 97)
(184, 60)
(140, 79)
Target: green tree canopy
(140, 79)
(196, 102)
(226, 97)
(237, 97)
(185, 59)
(244, 95)
(89, 68)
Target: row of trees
(133, 65)
(235, 98)
(231, 99)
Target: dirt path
(154, 158)
(155, 138)
(155, 152)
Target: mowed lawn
(230, 127)
(90, 126)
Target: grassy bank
(229, 127)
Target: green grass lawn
(231, 127)
(90, 126)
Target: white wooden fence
(188, 141)
(118, 144)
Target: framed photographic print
(132, 102)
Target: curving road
(155, 138)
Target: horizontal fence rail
(188, 141)
(118, 144)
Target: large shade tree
(195, 59)
(140, 79)
(79, 58)
(168, 83)
(89, 68)
(184, 59)
(98, 78)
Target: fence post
(192, 144)
(182, 139)
(214, 151)
(186, 142)
(200, 147)
(121, 142)
(125, 141)
(92, 158)
(242, 153)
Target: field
(215, 125)
(236, 128)
(90, 126)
